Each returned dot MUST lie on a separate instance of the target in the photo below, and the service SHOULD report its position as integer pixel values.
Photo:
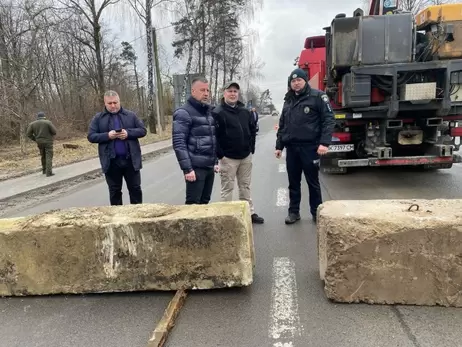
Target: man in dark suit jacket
(254, 113)
(116, 131)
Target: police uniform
(306, 121)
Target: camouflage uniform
(42, 131)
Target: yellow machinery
(443, 29)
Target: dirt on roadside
(15, 164)
(14, 205)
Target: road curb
(92, 174)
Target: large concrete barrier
(392, 251)
(127, 248)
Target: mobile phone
(118, 130)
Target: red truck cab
(313, 61)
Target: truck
(394, 82)
(266, 111)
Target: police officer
(305, 130)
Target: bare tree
(48, 63)
(213, 29)
(415, 6)
(129, 56)
(143, 10)
(92, 13)
(21, 43)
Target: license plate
(353, 162)
(341, 148)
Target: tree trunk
(199, 56)
(4, 58)
(204, 44)
(211, 73)
(159, 94)
(224, 60)
(22, 125)
(216, 84)
(152, 115)
(99, 60)
(137, 81)
(188, 69)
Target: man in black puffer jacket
(236, 132)
(194, 143)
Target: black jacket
(305, 119)
(193, 136)
(98, 131)
(236, 131)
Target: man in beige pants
(235, 133)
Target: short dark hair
(199, 79)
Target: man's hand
(278, 153)
(113, 135)
(322, 150)
(216, 168)
(123, 134)
(190, 177)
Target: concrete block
(391, 251)
(127, 248)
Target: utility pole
(159, 94)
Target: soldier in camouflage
(42, 131)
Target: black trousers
(303, 158)
(200, 191)
(123, 169)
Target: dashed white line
(285, 320)
(282, 168)
(282, 197)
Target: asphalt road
(287, 295)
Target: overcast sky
(283, 26)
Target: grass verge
(15, 164)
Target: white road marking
(285, 320)
(282, 197)
(282, 168)
(283, 344)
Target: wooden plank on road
(159, 337)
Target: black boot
(257, 219)
(292, 218)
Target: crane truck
(394, 81)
